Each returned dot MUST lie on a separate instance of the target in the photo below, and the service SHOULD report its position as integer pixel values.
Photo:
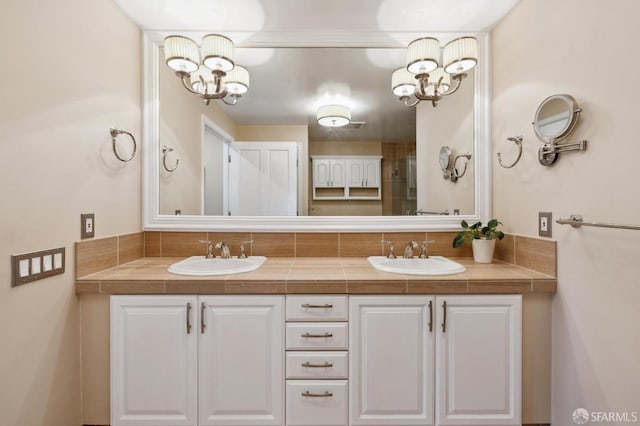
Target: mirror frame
(153, 221)
(572, 104)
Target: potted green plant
(483, 239)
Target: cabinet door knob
(326, 394)
(317, 335)
(430, 316)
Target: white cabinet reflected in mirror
(287, 86)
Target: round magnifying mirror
(555, 118)
(445, 158)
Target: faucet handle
(242, 254)
(392, 254)
(209, 244)
(423, 249)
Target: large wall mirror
(202, 189)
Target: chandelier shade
(237, 80)
(181, 54)
(403, 83)
(333, 115)
(217, 52)
(460, 55)
(423, 55)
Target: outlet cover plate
(544, 224)
(87, 225)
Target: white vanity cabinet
(317, 359)
(188, 360)
(154, 360)
(391, 360)
(445, 360)
(478, 360)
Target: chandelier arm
(406, 103)
(233, 102)
(183, 78)
(458, 79)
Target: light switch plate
(544, 224)
(28, 267)
(87, 225)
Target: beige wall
(181, 121)
(71, 70)
(544, 47)
(450, 124)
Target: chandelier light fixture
(333, 115)
(208, 71)
(432, 73)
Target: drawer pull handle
(310, 306)
(325, 365)
(317, 335)
(326, 394)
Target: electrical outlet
(87, 225)
(544, 224)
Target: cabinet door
(241, 360)
(391, 360)
(356, 173)
(371, 172)
(321, 173)
(478, 379)
(338, 173)
(153, 360)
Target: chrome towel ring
(114, 134)
(518, 141)
(166, 150)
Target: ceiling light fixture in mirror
(334, 115)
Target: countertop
(281, 275)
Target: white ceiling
(362, 76)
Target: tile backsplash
(283, 244)
(99, 254)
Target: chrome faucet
(423, 249)
(209, 244)
(392, 253)
(242, 254)
(408, 250)
(225, 253)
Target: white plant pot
(483, 250)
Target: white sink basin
(201, 266)
(433, 265)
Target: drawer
(317, 308)
(316, 403)
(317, 365)
(317, 336)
